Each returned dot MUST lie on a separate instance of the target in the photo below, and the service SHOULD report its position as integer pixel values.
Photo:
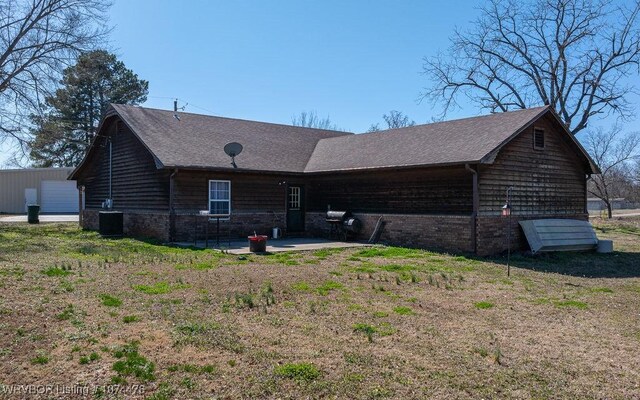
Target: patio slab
(276, 245)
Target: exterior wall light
(506, 210)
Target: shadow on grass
(618, 264)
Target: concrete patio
(275, 246)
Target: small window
(294, 197)
(220, 197)
(538, 139)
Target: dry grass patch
(364, 323)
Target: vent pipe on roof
(175, 110)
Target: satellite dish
(233, 149)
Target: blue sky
(351, 60)
(268, 60)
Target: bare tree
(374, 128)
(614, 152)
(571, 54)
(395, 119)
(310, 119)
(38, 39)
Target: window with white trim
(220, 197)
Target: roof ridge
(540, 109)
(461, 119)
(234, 119)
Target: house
(47, 187)
(439, 185)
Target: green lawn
(359, 323)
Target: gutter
(476, 206)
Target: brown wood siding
(416, 191)
(547, 181)
(249, 192)
(136, 182)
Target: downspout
(586, 195)
(476, 206)
(172, 211)
(110, 172)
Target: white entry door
(30, 197)
(59, 197)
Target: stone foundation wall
(441, 232)
(89, 220)
(438, 232)
(134, 223)
(492, 232)
(185, 227)
(152, 225)
(239, 225)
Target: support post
(80, 203)
(206, 233)
(506, 212)
(509, 248)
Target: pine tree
(62, 135)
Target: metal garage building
(48, 187)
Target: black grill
(338, 217)
(343, 225)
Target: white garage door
(59, 197)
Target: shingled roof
(197, 141)
(467, 140)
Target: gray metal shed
(47, 187)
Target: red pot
(258, 244)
